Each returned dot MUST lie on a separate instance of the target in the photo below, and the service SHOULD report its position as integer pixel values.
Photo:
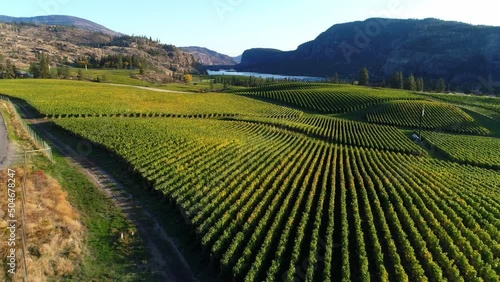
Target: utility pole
(420, 124)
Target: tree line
(112, 62)
(396, 81)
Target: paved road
(3, 141)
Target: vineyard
(82, 99)
(473, 150)
(269, 204)
(324, 98)
(436, 116)
(346, 132)
(489, 103)
(274, 194)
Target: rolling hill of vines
(325, 98)
(269, 204)
(484, 102)
(437, 115)
(59, 99)
(275, 194)
(475, 150)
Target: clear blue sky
(232, 26)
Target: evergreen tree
(119, 64)
(420, 84)
(10, 70)
(364, 77)
(79, 74)
(401, 80)
(44, 66)
(441, 86)
(336, 79)
(410, 83)
(397, 80)
(2, 67)
(433, 85)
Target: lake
(265, 75)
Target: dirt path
(168, 265)
(149, 88)
(4, 141)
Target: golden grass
(54, 234)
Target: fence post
(37, 140)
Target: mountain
(22, 44)
(62, 21)
(458, 52)
(209, 57)
(237, 59)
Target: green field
(346, 132)
(252, 193)
(467, 149)
(439, 116)
(326, 98)
(131, 77)
(55, 98)
(274, 194)
(489, 103)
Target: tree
(119, 64)
(79, 74)
(10, 70)
(2, 67)
(35, 70)
(397, 80)
(420, 84)
(63, 72)
(187, 78)
(336, 79)
(410, 83)
(441, 86)
(44, 66)
(364, 77)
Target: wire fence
(44, 148)
(37, 140)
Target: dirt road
(166, 261)
(4, 142)
(149, 88)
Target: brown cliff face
(21, 44)
(208, 57)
